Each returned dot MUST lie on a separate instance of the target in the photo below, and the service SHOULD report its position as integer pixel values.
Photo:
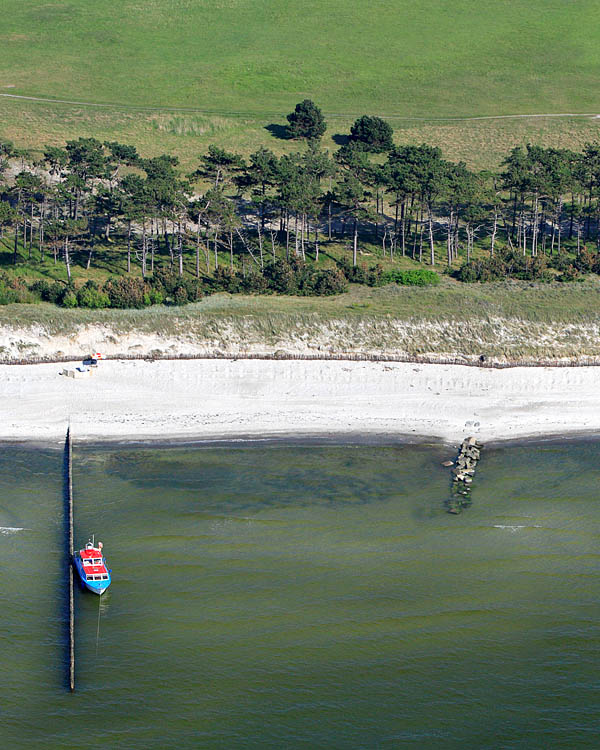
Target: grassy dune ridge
(504, 321)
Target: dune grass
(451, 301)
(481, 144)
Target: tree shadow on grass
(278, 131)
(340, 139)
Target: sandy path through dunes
(228, 398)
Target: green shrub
(180, 295)
(560, 262)
(126, 292)
(505, 265)
(585, 261)
(570, 273)
(154, 297)
(328, 282)
(167, 286)
(69, 298)
(375, 275)
(14, 289)
(91, 296)
(254, 283)
(282, 277)
(354, 274)
(48, 292)
(411, 277)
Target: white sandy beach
(235, 398)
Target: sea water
(304, 596)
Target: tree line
(240, 215)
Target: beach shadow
(278, 131)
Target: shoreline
(284, 440)
(211, 401)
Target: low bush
(68, 298)
(173, 289)
(283, 277)
(411, 277)
(126, 292)
(327, 282)
(505, 265)
(91, 296)
(47, 291)
(13, 289)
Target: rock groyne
(463, 473)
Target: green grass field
(393, 57)
(243, 64)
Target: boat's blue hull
(96, 587)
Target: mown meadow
(175, 76)
(426, 59)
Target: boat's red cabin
(93, 563)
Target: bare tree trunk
(67, 259)
(31, 231)
(91, 252)
(180, 251)
(449, 236)
(144, 249)
(303, 233)
(41, 229)
(494, 232)
(560, 205)
(403, 228)
(355, 243)
(129, 246)
(198, 249)
(431, 247)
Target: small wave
(10, 529)
(516, 528)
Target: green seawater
(304, 596)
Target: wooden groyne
(69, 509)
(463, 473)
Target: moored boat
(92, 568)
